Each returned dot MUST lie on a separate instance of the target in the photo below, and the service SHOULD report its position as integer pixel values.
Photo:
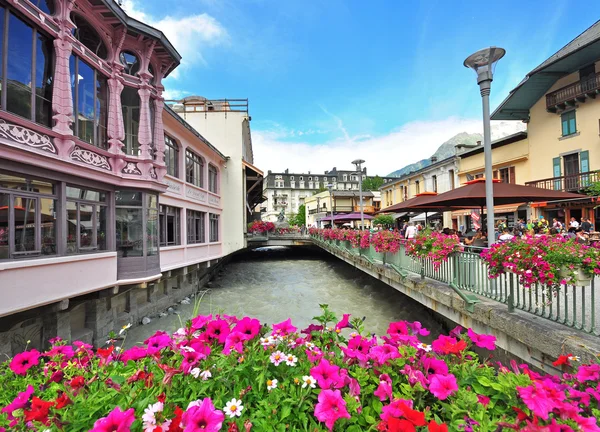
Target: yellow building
(318, 207)
(558, 102)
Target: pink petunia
(433, 366)
(202, 417)
(384, 390)
(200, 321)
(380, 354)
(116, 421)
(442, 386)
(218, 329)
(134, 353)
(234, 340)
(24, 361)
(326, 374)
(344, 322)
(157, 342)
(190, 359)
(483, 400)
(536, 399)
(588, 373)
(482, 341)
(395, 409)
(284, 328)
(20, 402)
(249, 327)
(331, 406)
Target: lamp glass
(484, 59)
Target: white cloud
(174, 94)
(383, 154)
(190, 34)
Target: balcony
(577, 92)
(366, 209)
(343, 209)
(569, 183)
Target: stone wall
(92, 317)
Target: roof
(516, 137)
(581, 51)
(194, 131)
(412, 173)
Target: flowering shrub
(261, 227)
(434, 246)
(386, 241)
(549, 260)
(224, 373)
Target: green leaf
(286, 411)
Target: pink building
(110, 205)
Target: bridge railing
(466, 272)
(279, 235)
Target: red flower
(563, 360)
(400, 425)
(174, 426)
(435, 427)
(62, 401)
(105, 352)
(39, 410)
(77, 382)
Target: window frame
(213, 179)
(213, 227)
(192, 235)
(93, 247)
(565, 120)
(171, 145)
(163, 217)
(197, 177)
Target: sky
(332, 81)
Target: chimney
(478, 143)
(433, 159)
(309, 172)
(326, 172)
(269, 172)
(287, 171)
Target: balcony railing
(366, 209)
(568, 183)
(343, 209)
(578, 91)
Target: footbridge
(278, 239)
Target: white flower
(291, 360)
(233, 408)
(124, 328)
(291, 344)
(194, 403)
(574, 358)
(309, 345)
(149, 417)
(205, 375)
(271, 384)
(308, 380)
(187, 349)
(195, 372)
(117, 349)
(353, 334)
(424, 347)
(277, 357)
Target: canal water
(273, 284)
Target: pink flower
(384, 390)
(116, 421)
(433, 366)
(326, 374)
(249, 327)
(442, 386)
(483, 400)
(234, 340)
(218, 329)
(134, 353)
(18, 403)
(157, 342)
(482, 341)
(202, 417)
(61, 350)
(343, 323)
(395, 409)
(536, 399)
(24, 361)
(382, 353)
(587, 424)
(588, 373)
(284, 328)
(200, 321)
(331, 406)
(190, 358)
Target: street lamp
(330, 187)
(483, 62)
(358, 163)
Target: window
(417, 187)
(278, 177)
(212, 178)
(196, 227)
(311, 185)
(316, 179)
(169, 223)
(90, 102)
(345, 177)
(569, 125)
(301, 184)
(301, 178)
(44, 5)
(27, 217)
(293, 184)
(434, 181)
(451, 175)
(130, 62)
(171, 156)
(310, 179)
(27, 71)
(291, 177)
(137, 224)
(317, 185)
(86, 220)
(85, 33)
(214, 228)
(130, 103)
(194, 169)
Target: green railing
(466, 272)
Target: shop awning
(254, 186)
(508, 208)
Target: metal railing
(568, 183)
(466, 272)
(573, 91)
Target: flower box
(581, 279)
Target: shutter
(556, 172)
(511, 175)
(584, 166)
(495, 174)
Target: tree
(594, 189)
(299, 218)
(386, 220)
(322, 189)
(372, 183)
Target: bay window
(214, 228)
(194, 169)
(137, 224)
(169, 223)
(171, 156)
(86, 220)
(196, 227)
(130, 102)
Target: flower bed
(224, 373)
(261, 227)
(550, 260)
(434, 246)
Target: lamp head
(484, 61)
(358, 161)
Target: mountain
(444, 151)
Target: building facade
(558, 102)
(319, 206)
(111, 205)
(286, 192)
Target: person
(542, 225)
(580, 236)
(411, 231)
(506, 235)
(573, 223)
(556, 224)
(502, 225)
(586, 225)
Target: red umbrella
(419, 203)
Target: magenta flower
(384, 390)
(311, 328)
(482, 341)
(218, 329)
(116, 421)
(134, 353)
(234, 340)
(249, 327)
(61, 350)
(483, 400)
(433, 366)
(157, 342)
(536, 399)
(200, 321)
(202, 417)
(344, 323)
(284, 328)
(326, 374)
(380, 354)
(395, 409)
(190, 359)
(442, 386)
(24, 361)
(588, 373)
(331, 406)
(18, 403)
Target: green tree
(299, 218)
(386, 220)
(594, 189)
(372, 183)
(322, 189)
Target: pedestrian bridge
(277, 239)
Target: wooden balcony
(580, 91)
(366, 209)
(570, 183)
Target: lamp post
(483, 63)
(358, 163)
(330, 187)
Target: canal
(273, 284)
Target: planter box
(581, 279)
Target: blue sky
(329, 81)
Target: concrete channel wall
(533, 339)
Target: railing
(573, 91)
(343, 209)
(568, 183)
(466, 272)
(366, 209)
(209, 105)
(287, 234)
